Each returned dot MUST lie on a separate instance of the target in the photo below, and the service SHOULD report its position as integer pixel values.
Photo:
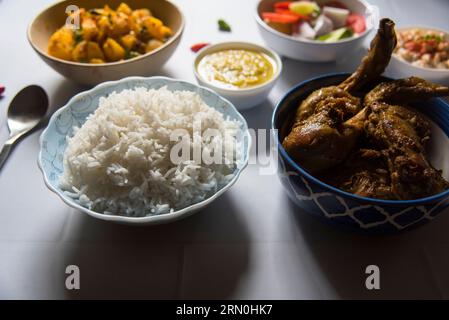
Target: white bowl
(316, 51)
(53, 141)
(241, 98)
(399, 68)
(53, 17)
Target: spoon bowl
(25, 112)
(27, 109)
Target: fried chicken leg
(397, 168)
(405, 91)
(403, 134)
(321, 134)
(364, 173)
(377, 59)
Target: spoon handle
(6, 150)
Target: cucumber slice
(336, 35)
(305, 8)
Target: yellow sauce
(236, 69)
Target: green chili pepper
(78, 35)
(223, 26)
(131, 54)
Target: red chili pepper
(2, 89)
(282, 5)
(197, 47)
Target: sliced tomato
(280, 17)
(282, 5)
(356, 22)
(412, 46)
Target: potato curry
(107, 35)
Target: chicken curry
(378, 142)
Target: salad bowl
(313, 50)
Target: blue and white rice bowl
(75, 113)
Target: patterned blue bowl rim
(152, 219)
(323, 185)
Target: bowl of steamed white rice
(144, 150)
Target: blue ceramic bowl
(347, 210)
(54, 140)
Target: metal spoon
(25, 112)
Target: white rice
(119, 163)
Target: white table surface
(252, 243)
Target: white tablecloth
(251, 243)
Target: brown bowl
(53, 17)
